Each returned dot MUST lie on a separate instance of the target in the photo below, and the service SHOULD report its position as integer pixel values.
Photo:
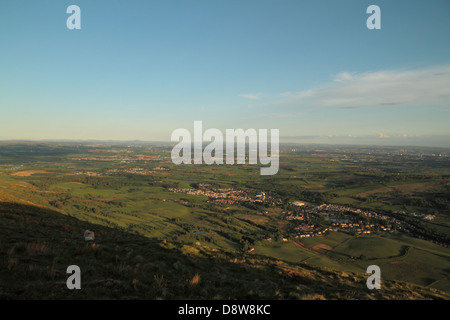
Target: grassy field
(400, 257)
(283, 250)
(94, 184)
(120, 265)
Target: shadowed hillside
(37, 245)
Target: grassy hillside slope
(37, 245)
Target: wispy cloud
(281, 115)
(251, 96)
(426, 86)
(403, 139)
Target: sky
(138, 70)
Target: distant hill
(37, 245)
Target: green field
(100, 185)
(400, 257)
(284, 250)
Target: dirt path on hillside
(301, 246)
(317, 246)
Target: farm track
(300, 245)
(437, 281)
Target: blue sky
(141, 69)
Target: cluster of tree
(44, 182)
(434, 201)
(423, 229)
(62, 200)
(87, 209)
(289, 192)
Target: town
(339, 218)
(310, 220)
(222, 196)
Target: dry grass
(313, 186)
(322, 246)
(52, 271)
(194, 281)
(11, 263)
(26, 173)
(159, 281)
(313, 296)
(36, 247)
(12, 250)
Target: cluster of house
(339, 215)
(139, 171)
(88, 173)
(341, 219)
(333, 209)
(360, 228)
(295, 215)
(305, 230)
(426, 217)
(330, 211)
(221, 196)
(122, 158)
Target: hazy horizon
(338, 141)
